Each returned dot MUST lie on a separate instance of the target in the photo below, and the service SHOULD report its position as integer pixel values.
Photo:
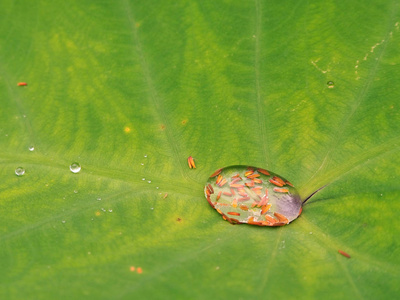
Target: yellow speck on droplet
(98, 213)
(127, 129)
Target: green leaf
(227, 82)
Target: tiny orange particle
(216, 173)
(166, 195)
(132, 268)
(191, 163)
(344, 253)
(278, 190)
(139, 270)
(233, 213)
(127, 129)
(22, 84)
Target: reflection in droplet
(19, 171)
(149, 181)
(243, 194)
(330, 84)
(75, 167)
(63, 221)
(31, 148)
(143, 178)
(99, 199)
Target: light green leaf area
(227, 82)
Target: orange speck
(265, 172)
(127, 129)
(22, 84)
(278, 190)
(233, 213)
(273, 181)
(265, 208)
(166, 195)
(344, 253)
(184, 122)
(162, 126)
(281, 218)
(139, 270)
(216, 173)
(234, 203)
(132, 269)
(191, 163)
(98, 213)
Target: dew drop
(142, 164)
(31, 148)
(19, 171)
(143, 178)
(99, 199)
(330, 84)
(110, 210)
(145, 156)
(152, 208)
(75, 191)
(63, 221)
(149, 181)
(243, 194)
(75, 167)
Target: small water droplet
(110, 210)
(149, 181)
(152, 208)
(143, 178)
(75, 191)
(103, 209)
(157, 187)
(330, 84)
(99, 199)
(310, 232)
(142, 164)
(145, 156)
(63, 221)
(75, 167)
(19, 171)
(31, 148)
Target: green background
(227, 82)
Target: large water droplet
(330, 84)
(19, 171)
(75, 167)
(251, 195)
(31, 148)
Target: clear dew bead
(19, 171)
(75, 167)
